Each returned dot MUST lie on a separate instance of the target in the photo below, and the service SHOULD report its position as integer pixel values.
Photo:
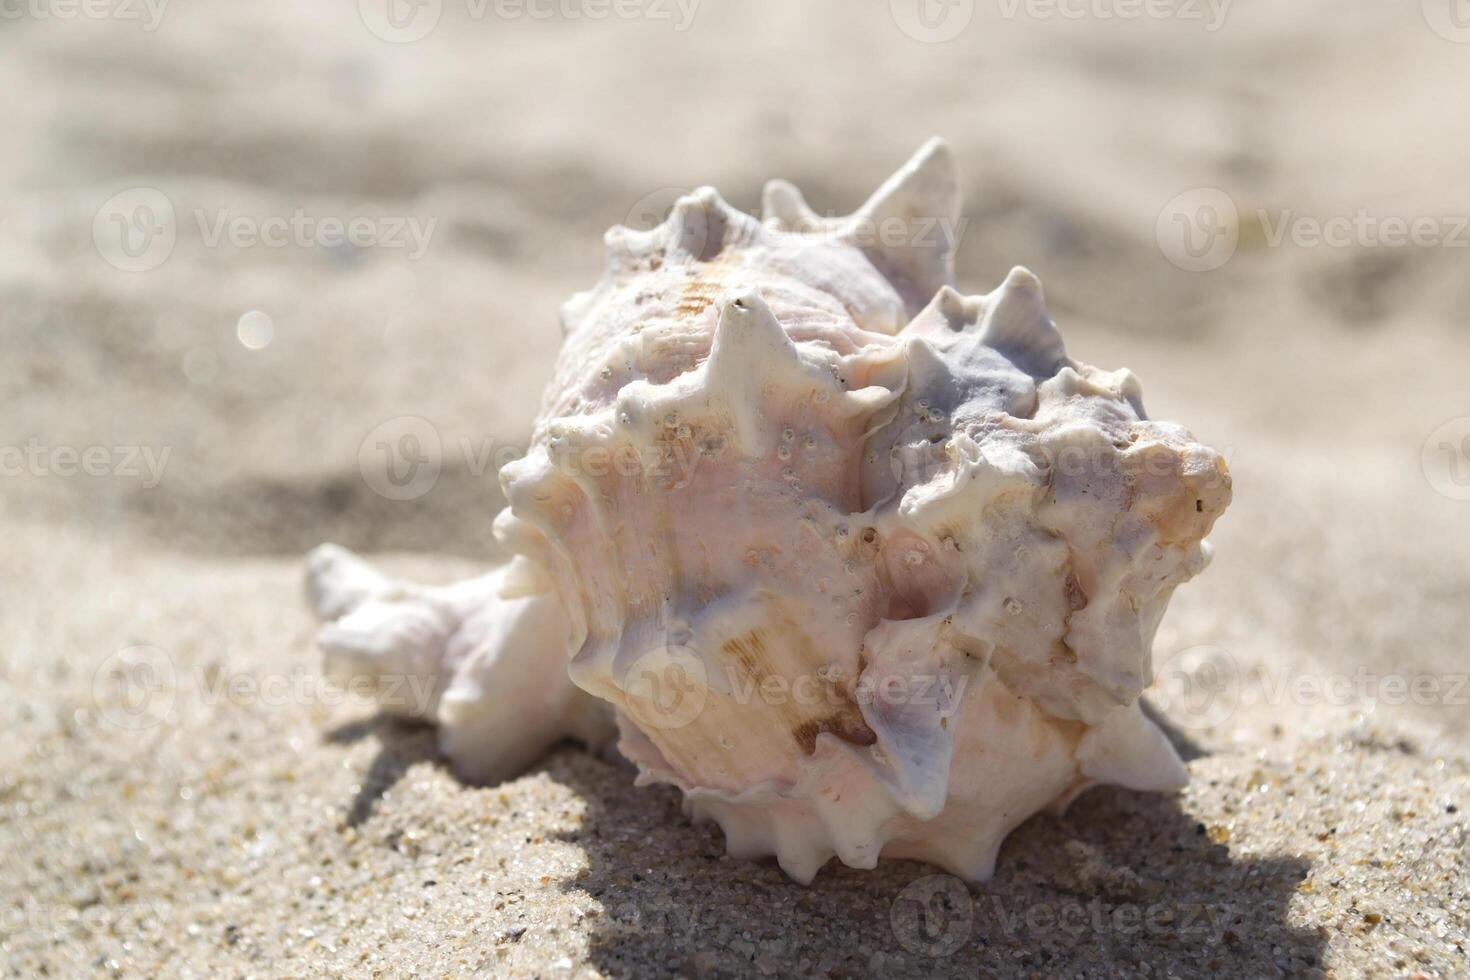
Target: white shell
(866, 567)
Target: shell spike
(1018, 325)
(801, 847)
(1130, 750)
(910, 227)
(959, 312)
(702, 225)
(749, 351)
(747, 328)
(338, 581)
(783, 206)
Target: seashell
(866, 567)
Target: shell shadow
(1188, 748)
(401, 744)
(1126, 882)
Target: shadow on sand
(1126, 884)
(401, 744)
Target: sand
(233, 815)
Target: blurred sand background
(249, 835)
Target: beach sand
(238, 817)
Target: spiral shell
(866, 567)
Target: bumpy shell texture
(866, 567)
